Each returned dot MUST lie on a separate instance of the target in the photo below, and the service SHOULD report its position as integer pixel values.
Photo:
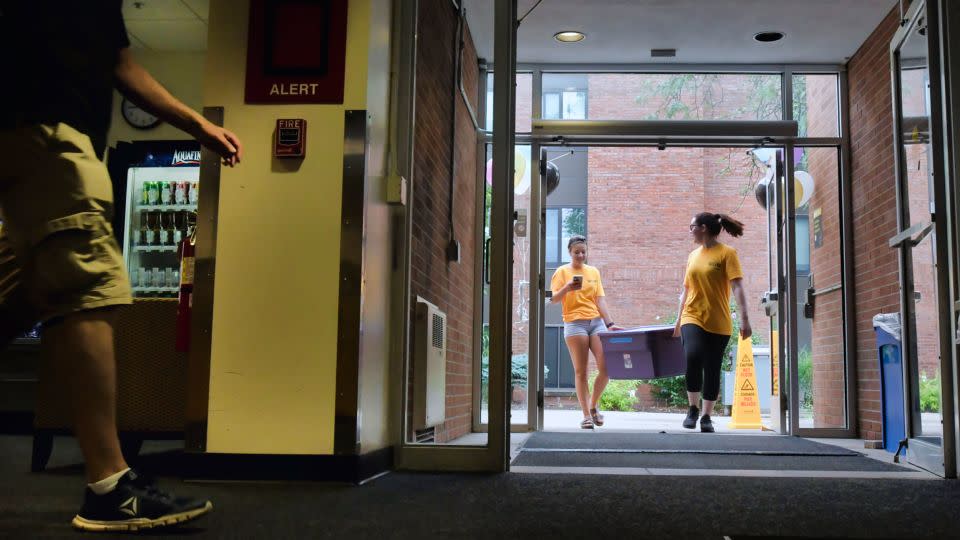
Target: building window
(565, 105)
(803, 243)
(562, 223)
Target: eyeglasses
(692, 226)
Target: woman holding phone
(577, 285)
(705, 323)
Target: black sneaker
(136, 504)
(690, 421)
(706, 424)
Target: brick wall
(874, 210)
(450, 286)
(826, 347)
(640, 202)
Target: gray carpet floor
(505, 506)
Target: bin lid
(889, 323)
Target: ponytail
(733, 227)
(715, 223)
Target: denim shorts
(583, 328)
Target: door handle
(956, 311)
(769, 302)
(921, 230)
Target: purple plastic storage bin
(647, 352)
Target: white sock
(108, 484)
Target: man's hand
(221, 141)
(139, 86)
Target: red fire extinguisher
(187, 251)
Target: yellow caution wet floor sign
(746, 400)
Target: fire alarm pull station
(291, 139)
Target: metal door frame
(748, 134)
(949, 18)
(938, 459)
(495, 455)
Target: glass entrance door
(921, 219)
(634, 204)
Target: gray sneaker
(706, 424)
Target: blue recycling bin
(887, 328)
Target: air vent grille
(426, 435)
(437, 331)
(663, 53)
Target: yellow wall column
(274, 344)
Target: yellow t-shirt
(708, 276)
(579, 305)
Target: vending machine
(156, 186)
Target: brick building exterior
(448, 285)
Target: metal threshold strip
(676, 451)
(736, 473)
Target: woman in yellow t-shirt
(577, 285)
(705, 324)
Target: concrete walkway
(557, 420)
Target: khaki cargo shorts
(58, 254)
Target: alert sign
(746, 401)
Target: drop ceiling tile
(200, 7)
(135, 42)
(171, 35)
(154, 10)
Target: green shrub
(673, 390)
(619, 395)
(930, 393)
(806, 378)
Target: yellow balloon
(803, 186)
(519, 168)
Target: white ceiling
(167, 25)
(702, 31)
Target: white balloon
(764, 154)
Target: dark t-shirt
(59, 61)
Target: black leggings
(704, 352)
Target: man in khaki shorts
(59, 261)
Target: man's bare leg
(82, 348)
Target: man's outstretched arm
(139, 86)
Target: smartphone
(578, 281)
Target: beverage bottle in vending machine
(194, 192)
(179, 219)
(164, 229)
(145, 193)
(143, 234)
(166, 192)
(180, 196)
(153, 235)
(154, 192)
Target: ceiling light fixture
(768, 37)
(569, 36)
